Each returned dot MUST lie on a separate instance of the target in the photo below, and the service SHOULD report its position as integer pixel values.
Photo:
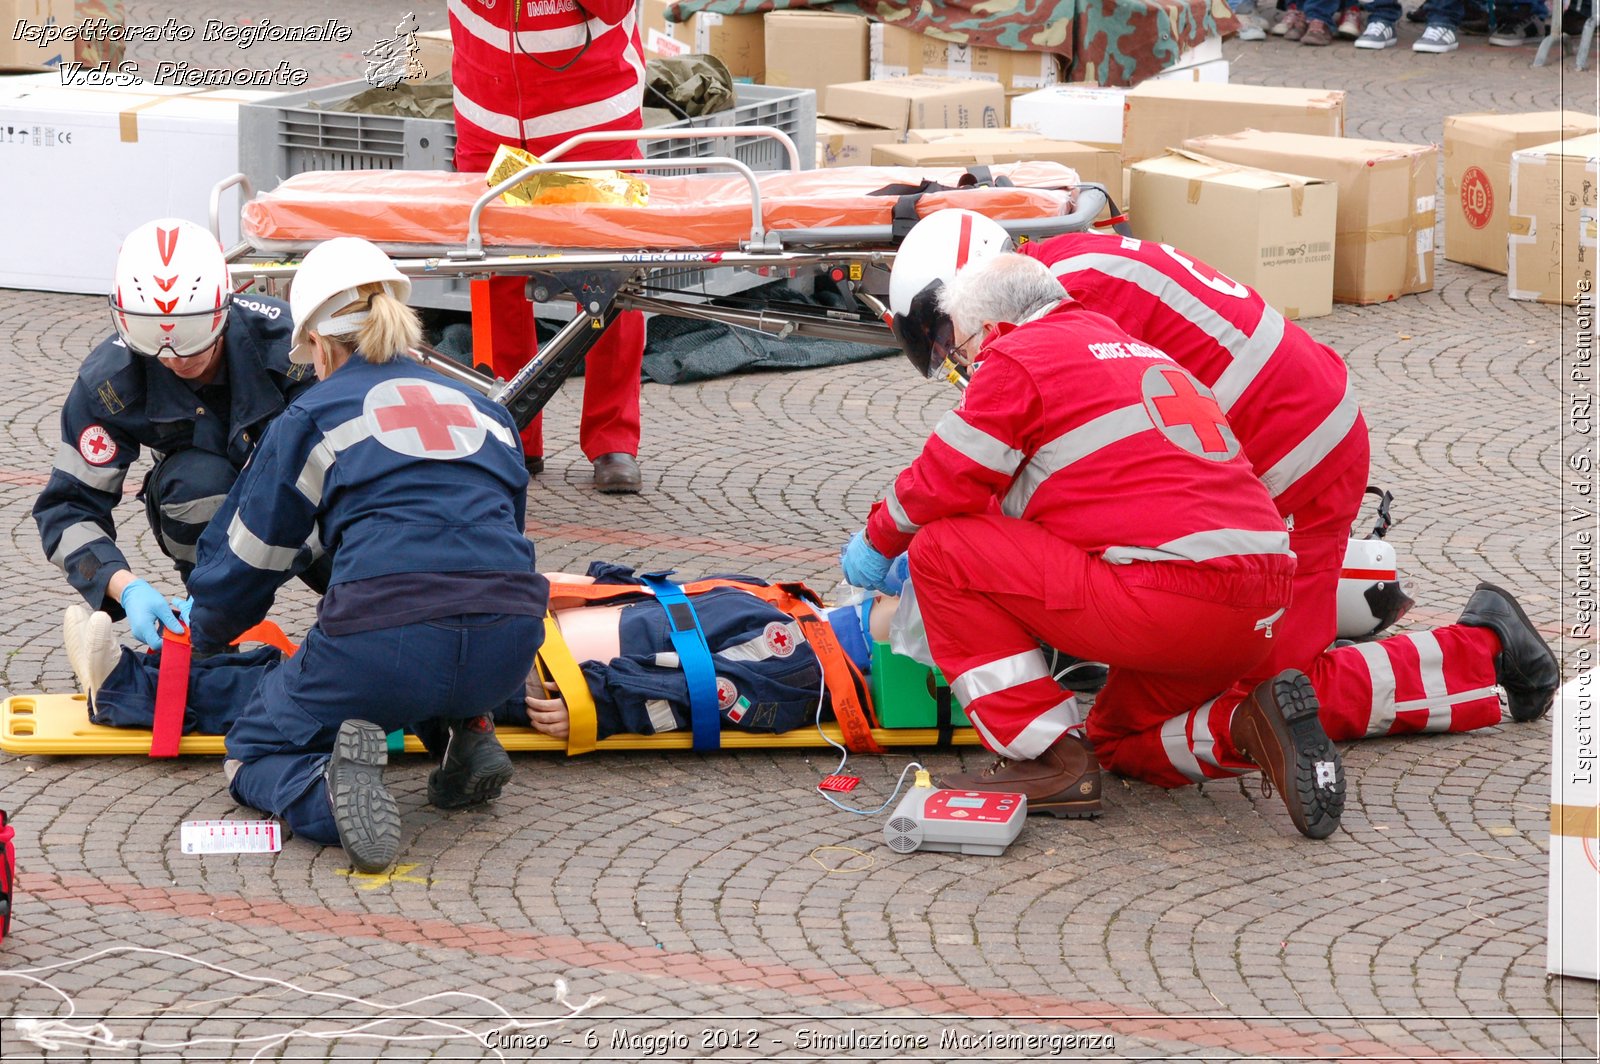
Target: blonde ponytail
(391, 328)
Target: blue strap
(694, 657)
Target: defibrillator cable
(844, 756)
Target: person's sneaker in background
(1437, 39)
(1377, 35)
(1351, 23)
(1292, 26)
(1317, 34)
(1519, 30)
(1418, 14)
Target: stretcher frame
(602, 284)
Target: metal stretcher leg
(595, 293)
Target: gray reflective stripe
(977, 445)
(195, 511)
(1380, 672)
(255, 552)
(1001, 675)
(1204, 547)
(1175, 741)
(759, 648)
(1204, 742)
(183, 552)
(103, 478)
(898, 512)
(1071, 446)
(1040, 735)
(497, 430)
(75, 538)
(1249, 353)
(315, 472)
(667, 659)
(314, 544)
(1317, 445)
(662, 718)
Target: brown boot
(1277, 728)
(617, 473)
(1064, 781)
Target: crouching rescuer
(1087, 493)
(416, 488)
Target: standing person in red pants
(532, 73)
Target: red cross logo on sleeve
(1188, 414)
(423, 419)
(97, 446)
(779, 642)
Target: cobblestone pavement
(719, 907)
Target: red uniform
(1289, 400)
(531, 73)
(1087, 492)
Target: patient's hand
(547, 710)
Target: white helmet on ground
(1370, 598)
(171, 289)
(928, 259)
(328, 280)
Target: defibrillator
(1370, 598)
(936, 818)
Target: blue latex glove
(862, 564)
(148, 612)
(183, 606)
(899, 571)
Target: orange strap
(269, 633)
(847, 689)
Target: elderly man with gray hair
(1088, 493)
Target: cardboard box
(65, 144)
(894, 52)
(918, 100)
(1573, 920)
(1551, 245)
(1477, 176)
(815, 49)
(1092, 164)
(738, 40)
(1163, 114)
(848, 143)
(1384, 245)
(35, 16)
(1211, 72)
(1271, 231)
(934, 136)
(435, 51)
(1084, 113)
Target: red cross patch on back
(422, 419)
(1187, 413)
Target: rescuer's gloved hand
(182, 606)
(148, 612)
(862, 564)
(899, 570)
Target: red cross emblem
(97, 446)
(779, 643)
(1187, 413)
(423, 419)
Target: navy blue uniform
(417, 490)
(123, 401)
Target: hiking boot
(476, 767)
(1376, 35)
(1438, 39)
(363, 809)
(1064, 781)
(1525, 666)
(1293, 26)
(1317, 34)
(1277, 729)
(92, 650)
(1352, 23)
(617, 473)
(1523, 30)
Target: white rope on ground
(52, 1033)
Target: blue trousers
(452, 668)
(219, 688)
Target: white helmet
(927, 260)
(171, 290)
(328, 280)
(1370, 597)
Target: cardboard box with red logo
(1477, 176)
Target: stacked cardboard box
(895, 52)
(1384, 246)
(814, 49)
(1084, 113)
(919, 100)
(24, 19)
(738, 40)
(1271, 231)
(1163, 114)
(849, 143)
(1477, 176)
(1552, 224)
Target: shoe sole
(1315, 809)
(1376, 47)
(1435, 50)
(1516, 607)
(481, 786)
(363, 809)
(1078, 810)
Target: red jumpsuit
(1289, 400)
(1089, 493)
(531, 73)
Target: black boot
(1526, 666)
(1277, 727)
(475, 769)
(363, 809)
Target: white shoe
(92, 650)
(1250, 29)
(1437, 39)
(1377, 35)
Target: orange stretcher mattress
(430, 207)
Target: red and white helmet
(171, 292)
(927, 260)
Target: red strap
(172, 695)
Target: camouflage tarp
(1113, 42)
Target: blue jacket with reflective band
(391, 468)
(123, 401)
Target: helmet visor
(179, 335)
(925, 332)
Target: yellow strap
(557, 662)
